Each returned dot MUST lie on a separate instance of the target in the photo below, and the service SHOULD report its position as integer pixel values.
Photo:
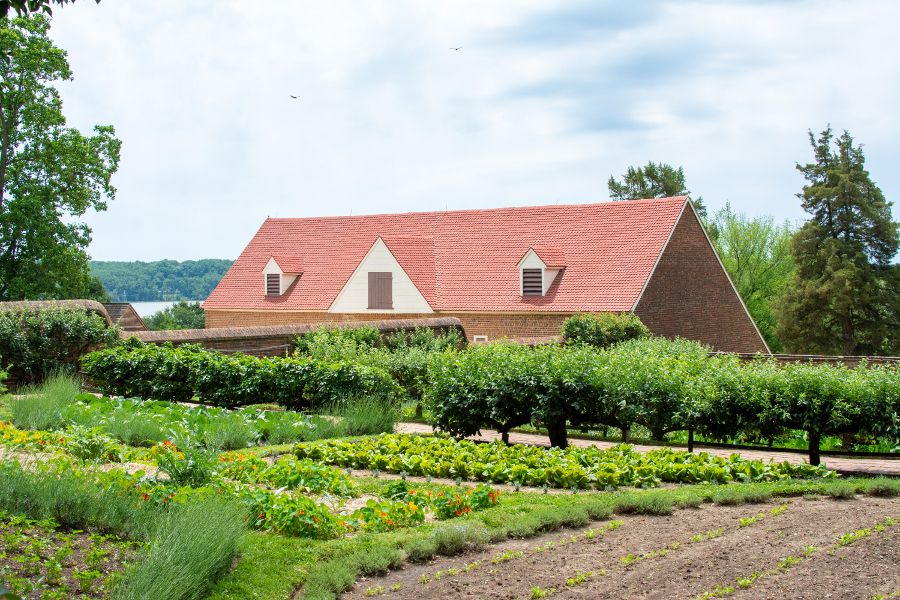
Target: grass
(72, 501)
(191, 547)
(367, 415)
(42, 406)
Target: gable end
(689, 294)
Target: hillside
(160, 280)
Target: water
(145, 309)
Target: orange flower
(458, 514)
(145, 497)
(260, 515)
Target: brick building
(508, 272)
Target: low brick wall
(275, 340)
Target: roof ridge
(608, 203)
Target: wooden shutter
(273, 284)
(381, 292)
(532, 282)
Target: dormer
(279, 275)
(538, 270)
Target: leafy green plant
(38, 343)
(604, 329)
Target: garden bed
(684, 555)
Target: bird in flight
(295, 97)
(457, 48)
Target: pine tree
(843, 295)
(656, 180)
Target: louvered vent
(532, 282)
(273, 284)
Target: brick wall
(525, 326)
(689, 295)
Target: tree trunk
(658, 434)
(557, 432)
(504, 435)
(690, 440)
(814, 440)
(624, 434)
(418, 410)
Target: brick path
(869, 466)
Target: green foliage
(180, 373)
(756, 253)
(44, 406)
(604, 329)
(661, 385)
(24, 7)
(366, 415)
(424, 338)
(843, 296)
(50, 174)
(181, 315)
(190, 548)
(36, 344)
(161, 280)
(337, 340)
(656, 180)
(582, 468)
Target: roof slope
(466, 260)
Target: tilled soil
(686, 569)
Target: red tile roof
(291, 265)
(466, 260)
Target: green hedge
(37, 343)
(603, 330)
(662, 385)
(164, 372)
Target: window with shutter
(381, 292)
(532, 282)
(273, 284)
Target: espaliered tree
(843, 296)
(50, 174)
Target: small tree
(842, 298)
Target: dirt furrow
(686, 570)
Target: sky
(541, 104)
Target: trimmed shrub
(604, 329)
(180, 373)
(35, 344)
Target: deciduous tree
(50, 174)
(842, 298)
(756, 253)
(24, 7)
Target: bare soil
(684, 569)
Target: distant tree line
(160, 280)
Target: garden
(143, 471)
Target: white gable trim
(353, 297)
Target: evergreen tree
(843, 296)
(656, 180)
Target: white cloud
(542, 104)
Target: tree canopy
(843, 296)
(160, 280)
(656, 180)
(50, 174)
(181, 315)
(756, 253)
(24, 7)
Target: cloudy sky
(543, 103)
